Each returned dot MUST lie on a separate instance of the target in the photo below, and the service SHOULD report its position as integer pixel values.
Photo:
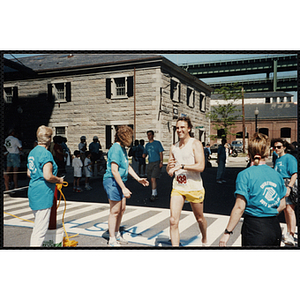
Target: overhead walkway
(249, 66)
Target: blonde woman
(260, 193)
(114, 182)
(42, 170)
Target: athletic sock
(154, 192)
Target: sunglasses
(277, 147)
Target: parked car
(214, 148)
(237, 145)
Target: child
(88, 169)
(77, 165)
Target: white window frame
(56, 125)
(114, 87)
(176, 95)
(55, 91)
(203, 104)
(191, 101)
(8, 97)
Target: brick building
(91, 94)
(277, 116)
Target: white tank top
(186, 180)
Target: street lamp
(256, 112)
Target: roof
(60, 61)
(286, 110)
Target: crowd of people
(261, 193)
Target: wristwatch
(228, 232)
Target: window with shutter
(190, 97)
(59, 92)
(119, 87)
(175, 91)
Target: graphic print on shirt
(31, 165)
(271, 197)
(181, 179)
(8, 144)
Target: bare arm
(115, 171)
(142, 181)
(48, 175)
(171, 162)
(236, 214)
(291, 184)
(161, 155)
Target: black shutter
(108, 141)
(172, 89)
(201, 101)
(68, 91)
(50, 96)
(194, 99)
(179, 91)
(108, 89)
(15, 94)
(130, 86)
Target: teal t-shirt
(118, 155)
(286, 165)
(263, 188)
(40, 191)
(152, 150)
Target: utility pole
(243, 112)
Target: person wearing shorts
(154, 150)
(114, 183)
(13, 147)
(186, 161)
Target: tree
(224, 116)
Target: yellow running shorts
(191, 196)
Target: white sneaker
(121, 240)
(113, 243)
(88, 187)
(289, 239)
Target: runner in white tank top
(186, 161)
(185, 180)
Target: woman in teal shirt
(114, 182)
(260, 193)
(286, 165)
(42, 170)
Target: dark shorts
(95, 156)
(112, 189)
(261, 232)
(153, 170)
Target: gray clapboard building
(91, 94)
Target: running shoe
(289, 239)
(79, 190)
(113, 243)
(121, 240)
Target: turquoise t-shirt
(118, 155)
(40, 191)
(263, 188)
(286, 165)
(152, 150)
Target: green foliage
(224, 116)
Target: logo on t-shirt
(31, 165)
(270, 194)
